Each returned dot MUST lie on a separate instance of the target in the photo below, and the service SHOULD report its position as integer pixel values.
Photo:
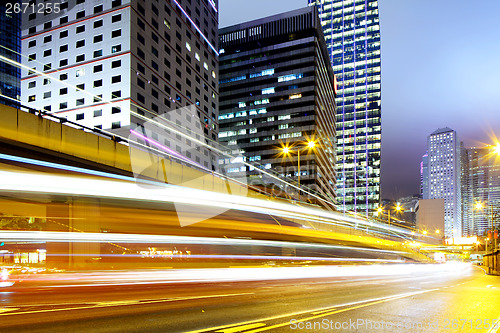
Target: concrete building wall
(118, 64)
(430, 215)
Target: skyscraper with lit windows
(443, 174)
(352, 34)
(482, 186)
(276, 91)
(10, 47)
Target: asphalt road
(465, 301)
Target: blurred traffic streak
(55, 217)
(218, 275)
(230, 300)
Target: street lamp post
(288, 151)
(491, 217)
(398, 209)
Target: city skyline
(428, 93)
(163, 174)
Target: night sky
(440, 68)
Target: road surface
(465, 300)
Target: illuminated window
(226, 116)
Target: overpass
(31, 136)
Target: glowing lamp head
(311, 144)
(286, 150)
(380, 210)
(496, 149)
(425, 232)
(478, 205)
(398, 208)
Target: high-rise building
(352, 34)
(10, 47)
(444, 177)
(277, 91)
(482, 175)
(118, 64)
(424, 177)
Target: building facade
(10, 47)
(482, 177)
(424, 176)
(430, 217)
(444, 170)
(277, 91)
(117, 65)
(352, 34)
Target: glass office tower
(352, 33)
(482, 185)
(10, 48)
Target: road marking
(380, 299)
(191, 297)
(3, 310)
(495, 328)
(119, 303)
(338, 311)
(323, 311)
(114, 303)
(241, 328)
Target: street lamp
(287, 151)
(492, 216)
(398, 209)
(496, 149)
(380, 212)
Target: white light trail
(211, 275)
(56, 236)
(55, 184)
